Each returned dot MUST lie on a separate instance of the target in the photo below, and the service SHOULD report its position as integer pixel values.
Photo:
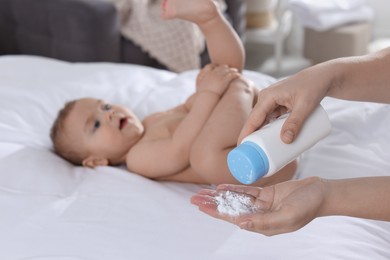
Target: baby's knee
(242, 85)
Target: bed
(52, 210)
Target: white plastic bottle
(263, 153)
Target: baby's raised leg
(219, 136)
(220, 132)
(223, 44)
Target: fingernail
(288, 136)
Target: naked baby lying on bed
(187, 143)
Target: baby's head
(91, 132)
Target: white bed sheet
(52, 210)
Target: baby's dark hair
(58, 136)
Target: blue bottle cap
(247, 162)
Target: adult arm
(363, 78)
(289, 206)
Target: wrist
(323, 188)
(334, 76)
(331, 197)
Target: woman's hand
(299, 94)
(282, 208)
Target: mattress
(52, 210)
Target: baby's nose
(110, 115)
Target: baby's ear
(92, 162)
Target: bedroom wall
(382, 18)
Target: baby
(188, 143)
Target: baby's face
(99, 129)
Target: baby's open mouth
(123, 122)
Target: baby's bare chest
(162, 125)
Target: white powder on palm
(234, 204)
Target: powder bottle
(263, 153)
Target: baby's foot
(196, 11)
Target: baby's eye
(97, 124)
(106, 107)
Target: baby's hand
(215, 78)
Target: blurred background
(283, 37)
